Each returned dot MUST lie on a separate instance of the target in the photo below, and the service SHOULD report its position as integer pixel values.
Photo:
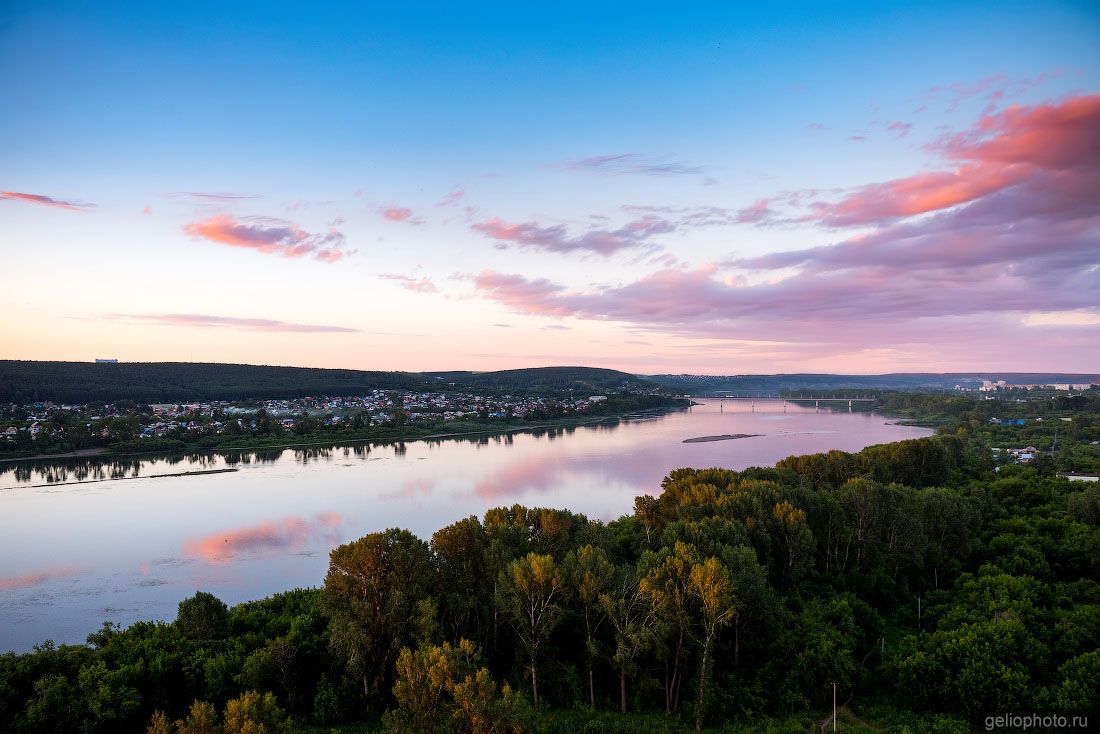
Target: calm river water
(85, 542)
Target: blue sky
(360, 121)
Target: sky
(720, 188)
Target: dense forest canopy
(934, 588)
(162, 382)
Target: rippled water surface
(85, 542)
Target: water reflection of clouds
(287, 534)
(542, 474)
(416, 487)
(39, 577)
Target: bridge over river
(817, 400)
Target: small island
(723, 437)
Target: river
(86, 541)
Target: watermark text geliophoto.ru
(1035, 721)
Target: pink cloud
(556, 238)
(757, 212)
(288, 534)
(233, 322)
(271, 236)
(399, 214)
(1001, 151)
(452, 198)
(38, 577)
(44, 201)
(1031, 248)
(901, 128)
(962, 265)
(412, 283)
(992, 90)
(520, 294)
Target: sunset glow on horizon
(856, 189)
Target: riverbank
(390, 436)
(81, 454)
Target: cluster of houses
(1017, 456)
(378, 406)
(993, 386)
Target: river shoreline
(104, 453)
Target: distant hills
(163, 382)
(773, 384)
(547, 379)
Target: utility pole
(918, 613)
(834, 706)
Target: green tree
(459, 550)
(110, 700)
(56, 705)
(159, 724)
(253, 713)
(326, 704)
(202, 718)
(441, 689)
(371, 593)
(632, 616)
(531, 588)
(666, 586)
(796, 542)
(590, 574)
(202, 617)
(711, 587)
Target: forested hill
(161, 382)
(774, 384)
(547, 380)
(156, 382)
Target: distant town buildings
(1079, 476)
(991, 386)
(166, 420)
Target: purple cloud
(42, 200)
(271, 236)
(556, 238)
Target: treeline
(932, 591)
(24, 382)
(582, 381)
(1065, 428)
